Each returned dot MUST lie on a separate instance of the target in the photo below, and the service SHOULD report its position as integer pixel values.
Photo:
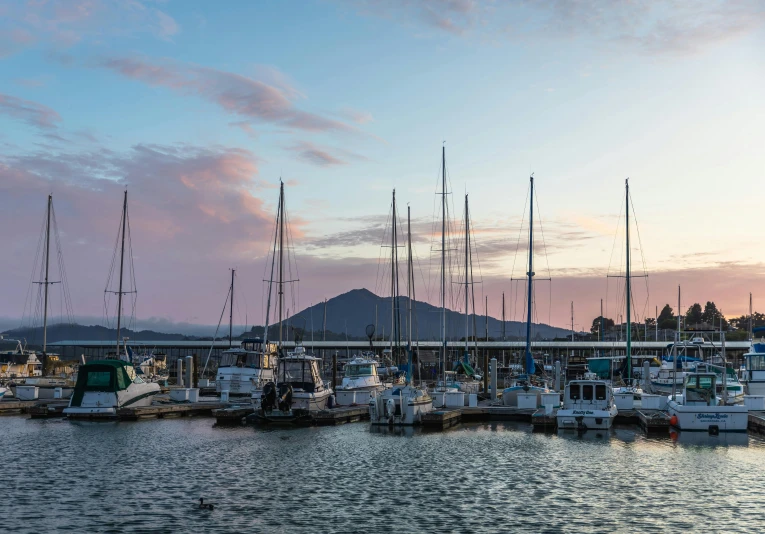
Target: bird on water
(204, 506)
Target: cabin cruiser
(587, 405)
(400, 406)
(19, 363)
(243, 371)
(699, 408)
(104, 386)
(298, 379)
(360, 382)
(754, 362)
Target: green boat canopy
(108, 376)
(464, 367)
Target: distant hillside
(354, 310)
(61, 332)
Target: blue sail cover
(530, 367)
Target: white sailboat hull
(400, 406)
(106, 404)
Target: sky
(199, 109)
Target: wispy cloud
(239, 95)
(32, 113)
(651, 26)
(323, 156)
(65, 23)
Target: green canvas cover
(107, 376)
(464, 367)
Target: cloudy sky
(199, 109)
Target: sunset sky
(199, 108)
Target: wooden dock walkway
(757, 422)
(232, 415)
(168, 410)
(441, 419)
(339, 416)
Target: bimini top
(107, 376)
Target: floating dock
(168, 410)
(339, 416)
(441, 419)
(757, 422)
(232, 415)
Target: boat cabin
(700, 389)
(360, 368)
(590, 393)
(301, 371)
(252, 353)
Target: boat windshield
(301, 374)
(600, 392)
(364, 369)
(587, 391)
(700, 388)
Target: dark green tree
(712, 315)
(693, 315)
(608, 324)
(667, 317)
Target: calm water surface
(147, 476)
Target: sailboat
(524, 383)
(631, 386)
(31, 369)
(299, 388)
(403, 405)
(244, 370)
(104, 386)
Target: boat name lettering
(711, 416)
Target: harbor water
(148, 477)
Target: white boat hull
(704, 418)
(586, 419)
(355, 397)
(400, 406)
(313, 402)
(97, 404)
(510, 395)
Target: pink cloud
(236, 94)
(68, 22)
(30, 112)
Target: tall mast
(751, 332)
(270, 287)
(467, 281)
(122, 266)
(409, 290)
(530, 368)
(572, 320)
(231, 312)
(600, 330)
(443, 258)
(47, 264)
(629, 285)
(393, 276)
(281, 263)
(503, 316)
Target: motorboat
(298, 388)
(105, 386)
(587, 405)
(19, 363)
(699, 408)
(243, 371)
(400, 406)
(360, 382)
(754, 365)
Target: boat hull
(104, 405)
(586, 419)
(356, 396)
(708, 418)
(510, 395)
(403, 406)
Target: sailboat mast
(529, 358)
(751, 332)
(270, 287)
(122, 267)
(231, 312)
(467, 281)
(47, 264)
(281, 263)
(409, 289)
(443, 258)
(628, 281)
(393, 277)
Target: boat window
(227, 360)
(587, 391)
(253, 360)
(266, 363)
(138, 380)
(755, 362)
(359, 370)
(574, 392)
(600, 392)
(99, 379)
